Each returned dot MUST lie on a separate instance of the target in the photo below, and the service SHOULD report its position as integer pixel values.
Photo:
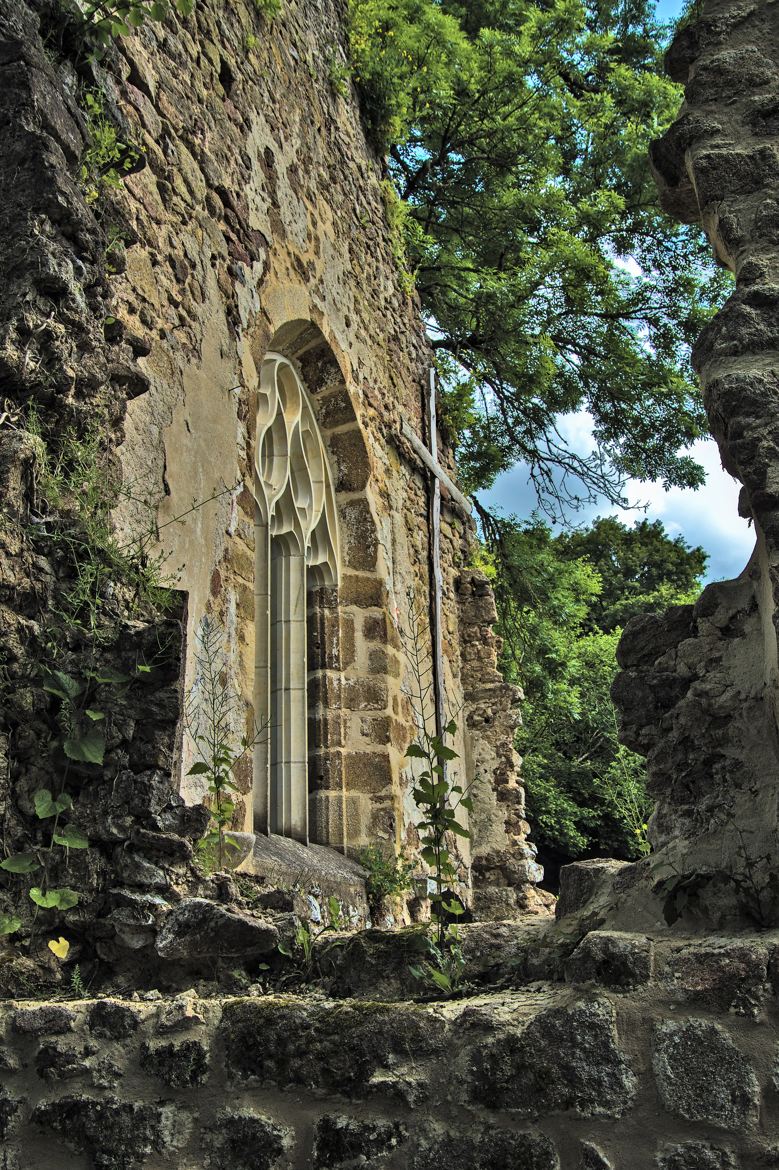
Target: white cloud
(707, 517)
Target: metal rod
(435, 550)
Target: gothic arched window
(296, 551)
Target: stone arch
(347, 687)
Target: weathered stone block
(341, 1142)
(111, 1020)
(373, 964)
(566, 1058)
(593, 1159)
(9, 1107)
(326, 771)
(48, 1020)
(352, 465)
(198, 930)
(363, 590)
(696, 1156)
(493, 1149)
(723, 977)
(135, 870)
(243, 1140)
(326, 729)
(367, 772)
(376, 628)
(358, 534)
(180, 1064)
(282, 1042)
(117, 1135)
(702, 1076)
(335, 409)
(365, 694)
(581, 881)
(611, 958)
(184, 1012)
(59, 1061)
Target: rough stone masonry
(252, 220)
(640, 1030)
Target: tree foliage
(517, 133)
(557, 598)
(641, 569)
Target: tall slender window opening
(296, 551)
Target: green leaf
(334, 910)
(467, 803)
(56, 682)
(445, 753)
(453, 908)
(63, 899)
(71, 838)
(199, 769)
(460, 830)
(95, 716)
(47, 806)
(440, 979)
(415, 752)
(87, 749)
(142, 668)
(451, 727)
(9, 924)
(429, 855)
(21, 863)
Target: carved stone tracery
(297, 549)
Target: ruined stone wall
(659, 1057)
(254, 216)
(699, 689)
(260, 214)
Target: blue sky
(706, 517)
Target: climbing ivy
(104, 20)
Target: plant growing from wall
(438, 800)
(388, 875)
(101, 21)
(213, 709)
(107, 159)
(82, 741)
(302, 952)
(77, 491)
(48, 807)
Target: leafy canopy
(562, 600)
(517, 133)
(641, 569)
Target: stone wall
(253, 217)
(649, 1056)
(259, 223)
(699, 689)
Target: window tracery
(296, 550)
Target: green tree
(517, 133)
(586, 792)
(641, 569)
